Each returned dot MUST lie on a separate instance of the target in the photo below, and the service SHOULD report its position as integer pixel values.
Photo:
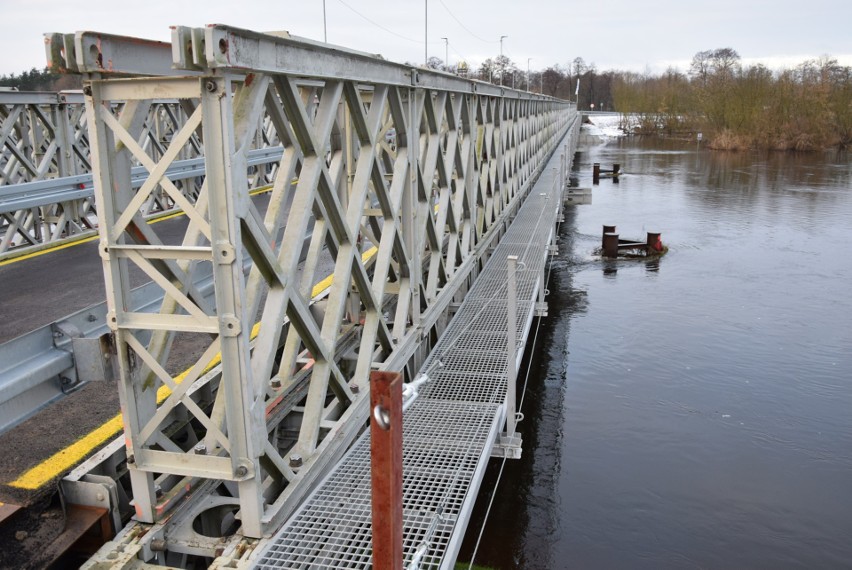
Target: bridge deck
(448, 431)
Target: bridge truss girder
(409, 177)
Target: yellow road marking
(25, 256)
(46, 251)
(64, 459)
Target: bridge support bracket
(541, 309)
(508, 446)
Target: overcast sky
(614, 34)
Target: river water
(695, 411)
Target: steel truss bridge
(411, 216)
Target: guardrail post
(386, 468)
(606, 230)
(653, 242)
(610, 245)
(512, 343)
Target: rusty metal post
(596, 173)
(616, 168)
(606, 230)
(386, 468)
(654, 242)
(610, 245)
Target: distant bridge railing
(46, 188)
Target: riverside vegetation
(740, 107)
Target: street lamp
(529, 59)
(426, 32)
(324, 27)
(501, 58)
(446, 53)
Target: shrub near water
(736, 107)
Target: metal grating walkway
(448, 431)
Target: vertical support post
(616, 168)
(226, 184)
(610, 245)
(386, 468)
(606, 230)
(411, 198)
(512, 342)
(596, 173)
(653, 242)
(111, 173)
(563, 181)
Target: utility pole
(426, 32)
(501, 58)
(529, 87)
(446, 53)
(324, 26)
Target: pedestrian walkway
(451, 427)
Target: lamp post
(529, 59)
(324, 26)
(446, 53)
(501, 58)
(426, 32)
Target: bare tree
(699, 69)
(552, 77)
(720, 64)
(435, 63)
(487, 69)
(725, 63)
(578, 67)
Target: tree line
(40, 80)
(736, 106)
(556, 80)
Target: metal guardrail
(46, 195)
(56, 190)
(73, 196)
(40, 367)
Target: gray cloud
(614, 34)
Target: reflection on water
(698, 415)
